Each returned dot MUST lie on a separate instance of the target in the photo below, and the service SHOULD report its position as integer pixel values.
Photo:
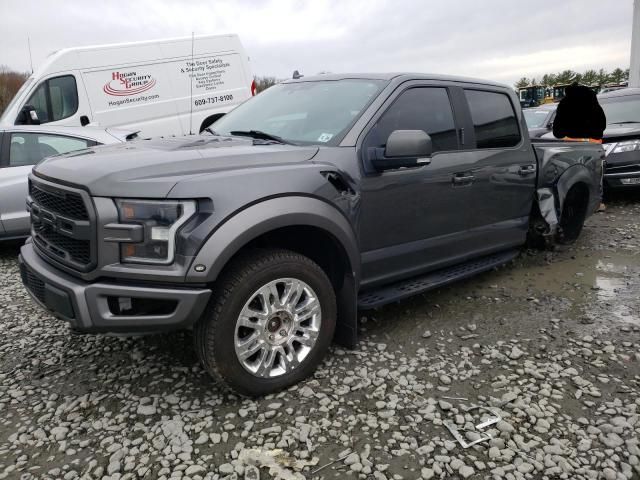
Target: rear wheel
(574, 213)
(269, 323)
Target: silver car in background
(21, 147)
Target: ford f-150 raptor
(316, 198)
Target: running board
(413, 286)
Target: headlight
(160, 219)
(622, 147)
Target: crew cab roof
(396, 76)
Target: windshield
(535, 117)
(621, 109)
(8, 108)
(305, 112)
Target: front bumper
(622, 180)
(94, 307)
(622, 170)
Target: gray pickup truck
(316, 198)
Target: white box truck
(161, 87)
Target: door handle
(527, 170)
(462, 179)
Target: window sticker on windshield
(325, 137)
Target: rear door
(20, 152)
(504, 171)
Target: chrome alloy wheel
(277, 328)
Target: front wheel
(269, 323)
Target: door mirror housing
(405, 148)
(408, 143)
(28, 116)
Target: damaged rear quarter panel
(561, 165)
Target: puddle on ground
(604, 284)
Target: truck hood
(151, 168)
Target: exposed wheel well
(312, 242)
(207, 122)
(574, 212)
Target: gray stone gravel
(100, 407)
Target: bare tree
(262, 83)
(10, 83)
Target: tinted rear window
(494, 119)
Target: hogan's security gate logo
(128, 83)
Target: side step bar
(413, 286)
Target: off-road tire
(214, 333)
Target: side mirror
(405, 148)
(28, 116)
(408, 143)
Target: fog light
(124, 303)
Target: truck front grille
(61, 224)
(70, 203)
(61, 245)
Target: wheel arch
(576, 176)
(303, 224)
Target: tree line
(590, 78)
(10, 83)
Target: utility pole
(634, 69)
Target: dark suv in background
(622, 137)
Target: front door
(413, 219)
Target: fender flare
(265, 216)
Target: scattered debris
(483, 436)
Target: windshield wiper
(257, 134)
(626, 121)
(211, 131)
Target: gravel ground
(551, 342)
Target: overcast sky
(495, 39)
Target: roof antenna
(296, 75)
(30, 57)
(191, 93)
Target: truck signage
(128, 83)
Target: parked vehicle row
(317, 197)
